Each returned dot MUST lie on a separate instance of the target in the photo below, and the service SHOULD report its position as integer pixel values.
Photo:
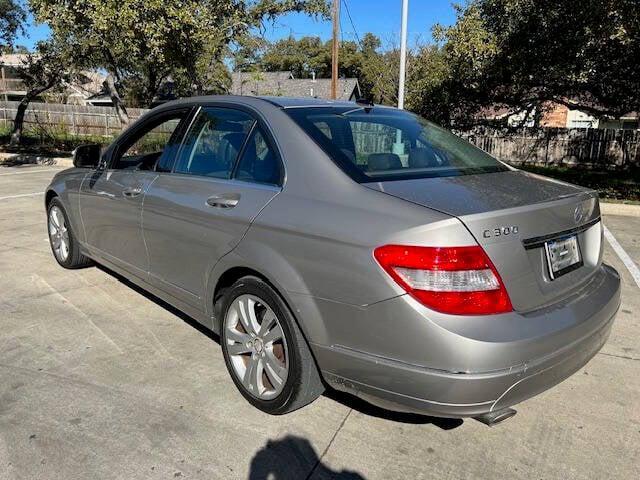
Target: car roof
(295, 102)
(281, 102)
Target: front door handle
(227, 200)
(132, 191)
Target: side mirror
(87, 156)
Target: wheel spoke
(253, 376)
(64, 249)
(251, 308)
(275, 370)
(244, 316)
(274, 334)
(268, 320)
(238, 349)
(54, 217)
(236, 336)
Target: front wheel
(64, 245)
(265, 351)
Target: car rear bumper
(584, 322)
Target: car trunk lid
(512, 214)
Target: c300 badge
(500, 231)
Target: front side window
(213, 143)
(378, 144)
(145, 148)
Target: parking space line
(40, 170)
(22, 195)
(624, 256)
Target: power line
(346, 7)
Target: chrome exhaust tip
(493, 418)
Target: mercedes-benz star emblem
(578, 213)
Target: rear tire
(64, 244)
(265, 352)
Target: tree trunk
(118, 104)
(18, 122)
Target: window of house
(580, 124)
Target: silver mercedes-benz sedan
(346, 245)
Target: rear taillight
(455, 280)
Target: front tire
(264, 350)
(64, 244)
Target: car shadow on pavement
(366, 408)
(346, 399)
(293, 457)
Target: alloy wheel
(58, 234)
(256, 346)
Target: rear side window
(213, 143)
(379, 144)
(259, 163)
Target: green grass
(612, 185)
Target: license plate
(563, 256)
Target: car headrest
(383, 161)
(229, 147)
(423, 157)
(267, 170)
(235, 139)
(227, 126)
(349, 154)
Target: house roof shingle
(283, 84)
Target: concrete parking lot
(100, 381)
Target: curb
(623, 209)
(15, 159)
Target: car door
(111, 197)
(200, 211)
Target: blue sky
(381, 17)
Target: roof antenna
(366, 102)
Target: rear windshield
(379, 144)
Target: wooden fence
(70, 119)
(592, 148)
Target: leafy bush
(51, 139)
(610, 184)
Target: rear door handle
(226, 200)
(132, 191)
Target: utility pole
(403, 52)
(335, 13)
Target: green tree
(523, 54)
(42, 70)
(310, 55)
(12, 17)
(301, 57)
(141, 43)
(379, 74)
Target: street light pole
(335, 13)
(403, 52)
(398, 147)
